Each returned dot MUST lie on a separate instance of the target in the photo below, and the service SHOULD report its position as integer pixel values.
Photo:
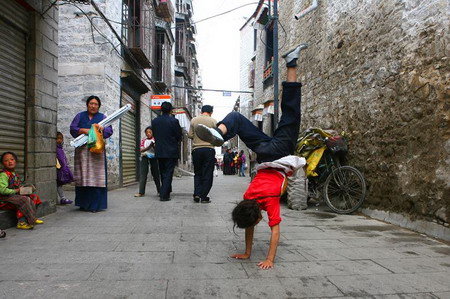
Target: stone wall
(42, 92)
(380, 71)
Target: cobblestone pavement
(144, 248)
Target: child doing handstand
(274, 155)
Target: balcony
(268, 73)
(164, 9)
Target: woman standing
(90, 168)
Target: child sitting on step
(10, 197)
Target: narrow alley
(145, 248)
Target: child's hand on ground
(267, 264)
(241, 256)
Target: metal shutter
(12, 79)
(129, 142)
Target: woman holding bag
(90, 174)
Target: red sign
(158, 99)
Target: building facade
(378, 71)
(28, 94)
(125, 52)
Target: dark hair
(241, 153)
(207, 108)
(90, 98)
(148, 128)
(246, 214)
(59, 134)
(166, 107)
(10, 153)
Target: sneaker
(24, 225)
(292, 56)
(65, 202)
(211, 135)
(39, 221)
(205, 200)
(138, 195)
(165, 199)
(196, 198)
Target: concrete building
(94, 61)
(187, 98)
(28, 94)
(380, 72)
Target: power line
(217, 90)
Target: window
(269, 45)
(255, 38)
(160, 49)
(131, 23)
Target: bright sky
(218, 41)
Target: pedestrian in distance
(227, 160)
(167, 132)
(242, 160)
(203, 156)
(147, 150)
(274, 154)
(63, 174)
(90, 174)
(13, 197)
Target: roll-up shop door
(13, 25)
(129, 142)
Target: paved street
(144, 248)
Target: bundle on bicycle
(342, 187)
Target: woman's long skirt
(90, 180)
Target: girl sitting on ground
(10, 197)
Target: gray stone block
(50, 46)
(46, 272)
(367, 285)
(221, 288)
(323, 268)
(126, 271)
(84, 289)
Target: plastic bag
(313, 160)
(95, 142)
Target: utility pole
(275, 64)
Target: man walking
(203, 156)
(167, 132)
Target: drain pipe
(307, 10)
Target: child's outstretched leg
(286, 134)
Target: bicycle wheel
(344, 190)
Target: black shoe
(196, 198)
(211, 135)
(205, 200)
(165, 199)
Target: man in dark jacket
(167, 132)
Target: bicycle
(342, 187)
